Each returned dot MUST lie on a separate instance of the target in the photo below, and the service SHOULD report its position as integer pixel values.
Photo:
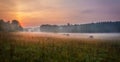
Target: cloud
(87, 11)
(70, 10)
(7, 5)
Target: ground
(24, 47)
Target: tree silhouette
(100, 27)
(16, 25)
(8, 27)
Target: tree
(8, 27)
(16, 25)
(2, 25)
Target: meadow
(24, 47)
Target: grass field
(25, 47)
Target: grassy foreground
(31, 48)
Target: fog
(99, 36)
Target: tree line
(100, 27)
(8, 26)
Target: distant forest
(100, 27)
(8, 26)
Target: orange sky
(37, 12)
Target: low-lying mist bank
(96, 36)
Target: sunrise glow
(37, 12)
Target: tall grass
(15, 47)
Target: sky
(37, 12)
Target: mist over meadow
(59, 30)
